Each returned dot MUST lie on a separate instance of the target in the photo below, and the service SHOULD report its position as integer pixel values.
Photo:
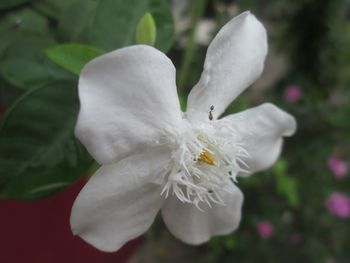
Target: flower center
(205, 158)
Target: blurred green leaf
(19, 22)
(52, 8)
(7, 4)
(39, 153)
(230, 242)
(72, 57)
(25, 64)
(115, 23)
(163, 17)
(280, 168)
(24, 20)
(146, 30)
(8, 94)
(75, 21)
(286, 185)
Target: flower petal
(128, 101)
(261, 130)
(120, 201)
(193, 226)
(234, 60)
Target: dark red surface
(39, 232)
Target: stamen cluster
(195, 180)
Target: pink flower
(265, 229)
(331, 260)
(338, 204)
(292, 93)
(338, 167)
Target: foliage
(72, 57)
(42, 43)
(39, 153)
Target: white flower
(155, 157)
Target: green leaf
(286, 185)
(74, 22)
(25, 65)
(52, 8)
(25, 20)
(72, 57)
(8, 94)
(163, 17)
(146, 31)
(115, 23)
(7, 4)
(39, 153)
(22, 21)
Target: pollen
(207, 157)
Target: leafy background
(309, 48)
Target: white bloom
(155, 157)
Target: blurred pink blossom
(265, 229)
(331, 260)
(338, 167)
(292, 93)
(338, 204)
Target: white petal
(128, 101)
(193, 226)
(234, 60)
(262, 130)
(120, 201)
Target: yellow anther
(207, 157)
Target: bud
(146, 30)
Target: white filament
(194, 181)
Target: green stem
(197, 13)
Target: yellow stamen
(207, 157)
